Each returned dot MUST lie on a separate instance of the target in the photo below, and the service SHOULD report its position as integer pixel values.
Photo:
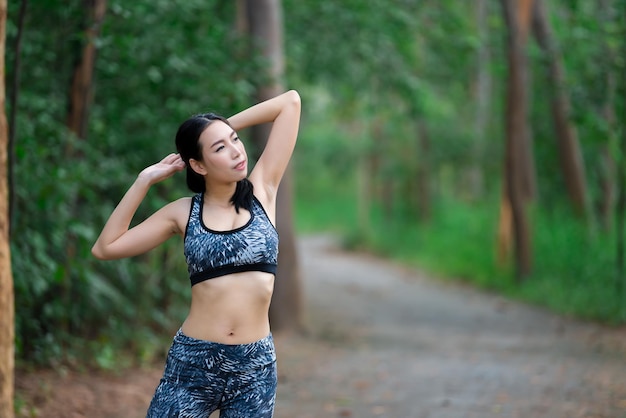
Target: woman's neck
(219, 195)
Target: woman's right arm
(118, 241)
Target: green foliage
(574, 271)
(158, 63)
(325, 167)
(377, 77)
(414, 64)
(574, 267)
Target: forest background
(483, 141)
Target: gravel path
(385, 341)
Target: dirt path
(389, 342)
(384, 341)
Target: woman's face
(224, 156)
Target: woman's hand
(162, 170)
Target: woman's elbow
(99, 253)
(294, 97)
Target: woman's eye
(221, 147)
(235, 139)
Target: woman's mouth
(241, 165)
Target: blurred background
(482, 141)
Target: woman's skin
(231, 309)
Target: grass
(574, 271)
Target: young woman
(223, 355)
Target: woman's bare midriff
(231, 309)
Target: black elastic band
(230, 269)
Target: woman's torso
(230, 308)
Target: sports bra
(210, 254)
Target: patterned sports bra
(210, 254)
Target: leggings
(201, 377)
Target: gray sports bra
(209, 253)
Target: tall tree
(620, 109)
(6, 280)
(517, 15)
(13, 102)
(607, 180)
(81, 94)
(80, 100)
(572, 164)
(482, 93)
(423, 192)
(265, 23)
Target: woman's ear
(197, 167)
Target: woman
(223, 355)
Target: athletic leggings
(202, 376)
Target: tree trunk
(377, 159)
(620, 107)
(607, 185)
(607, 177)
(517, 154)
(522, 14)
(7, 313)
(241, 18)
(364, 183)
(81, 94)
(424, 195)
(13, 101)
(482, 96)
(572, 165)
(621, 220)
(265, 25)
(80, 99)
(505, 229)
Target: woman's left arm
(284, 112)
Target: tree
(482, 93)
(81, 94)
(517, 14)
(572, 164)
(80, 100)
(145, 85)
(6, 280)
(265, 26)
(13, 102)
(606, 204)
(620, 109)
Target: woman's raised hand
(162, 170)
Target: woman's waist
(232, 309)
(208, 354)
(225, 332)
(229, 323)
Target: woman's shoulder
(179, 208)
(178, 211)
(184, 203)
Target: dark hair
(188, 146)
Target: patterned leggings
(201, 377)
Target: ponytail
(195, 181)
